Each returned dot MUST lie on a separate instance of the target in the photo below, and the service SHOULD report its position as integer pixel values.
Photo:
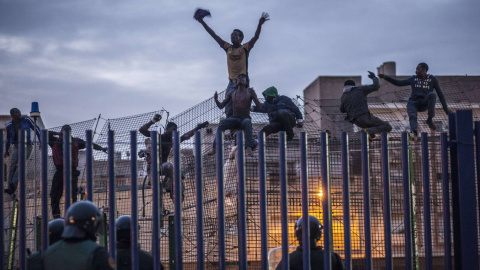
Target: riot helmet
(123, 227)
(83, 221)
(55, 230)
(315, 230)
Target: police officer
(78, 249)
(55, 230)
(124, 255)
(316, 253)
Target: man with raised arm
(241, 100)
(354, 104)
(422, 98)
(166, 138)
(237, 53)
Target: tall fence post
(305, 219)
(178, 201)
(346, 201)
(477, 154)
(457, 241)
(387, 222)
(89, 164)
(2, 225)
(199, 187)
(44, 189)
(134, 201)
(242, 220)
(111, 194)
(427, 222)
(406, 203)
(366, 201)
(22, 213)
(262, 176)
(326, 202)
(156, 199)
(467, 191)
(220, 202)
(283, 198)
(67, 168)
(446, 202)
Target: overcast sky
(119, 58)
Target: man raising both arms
(237, 53)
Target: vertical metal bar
(467, 191)
(242, 216)
(89, 164)
(22, 213)
(477, 155)
(220, 202)
(427, 223)
(366, 201)
(446, 202)
(134, 203)
(199, 207)
(305, 218)
(346, 201)
(406, 203)
(111, 194)
(387, 223)
(155, 200)
(178, 201)
(282, 147)
(457, 240)
(262, 176)
(44, 188)
(67, 169)
(326, 202)
(2, 221)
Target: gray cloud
(81, 58)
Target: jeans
(414, 106)
(229, 107)
(56, 192)
(372, 123)
(284, 120)
(239, 122)
(13, 173)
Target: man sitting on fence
(316, 253)
(241, 100)
(283, 114)
(55, 140)
(166, 138)
(354, 103)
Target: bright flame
(320, 192)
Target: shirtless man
(241, 101)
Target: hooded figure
(283, 114)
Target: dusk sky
(79, 59)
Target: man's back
(124, 258)
(316, 260)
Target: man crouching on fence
(166, 168)
(55, 140)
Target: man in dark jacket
(283, 114)
(316, 253)
(55, 230)
(124, 254)
(55, 140)
(354, 103)
(422, 98)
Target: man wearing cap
(283, 114)
(13, 137)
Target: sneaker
(371, 136)
(413, 135)
(212, 152)
(430, 124)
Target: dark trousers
(284, 120)
(56, 192)
(372, 123)
(415, 106)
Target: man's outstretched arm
(220, 41)
(263, 19)
(190, 133)
(396, 82)
(144, 128)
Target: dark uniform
(316, 260)
(78, 249)
(55, 230)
